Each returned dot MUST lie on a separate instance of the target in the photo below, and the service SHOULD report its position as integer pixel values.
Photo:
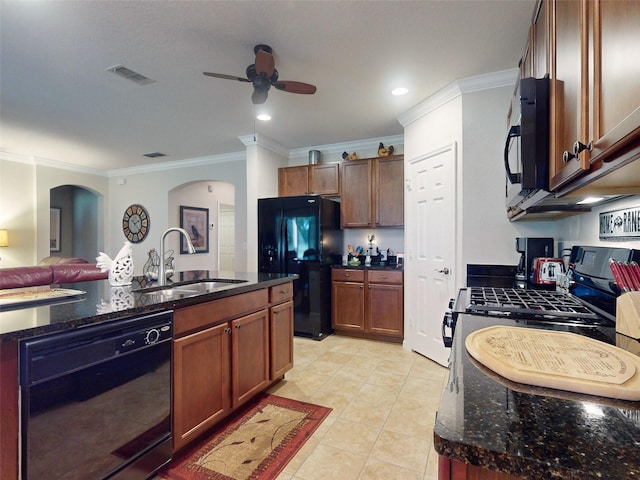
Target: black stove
(525, 303)
(590, 301)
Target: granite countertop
(102, 302)
(534, 432)
(369, 267)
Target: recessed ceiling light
(399, 91)
(264, 117)
(589, 200)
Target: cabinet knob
(237, 325)
(347, 275)
(227, 330)
(578, 147)
(567, 156)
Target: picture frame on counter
(195, 221)
(54, 231)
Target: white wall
(487, 236)
(150, 188)
(205, 194)
(18, 211)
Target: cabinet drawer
(384, 276)
(281, 293)
(194, 317)
(347, 275)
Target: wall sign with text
(620, 224)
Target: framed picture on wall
(196, 222)
(54, 231)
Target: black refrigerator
(302, 235)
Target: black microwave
(526, 150)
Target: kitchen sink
(188, 289)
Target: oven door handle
(514, 132)
(447, 322)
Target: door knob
(445, 271)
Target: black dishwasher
(96, 401)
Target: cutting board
(561, 360)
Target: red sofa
(49, 275)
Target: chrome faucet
(162, 276)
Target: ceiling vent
(129, 74)
(154, 154)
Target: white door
(226, 237)
(431, 238)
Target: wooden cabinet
(569, 89)
(369, 302)
(249, 356)
(201, 382)
(225, 352)
(373, 193)
(449, 469)
(356, 198)
(388, 188)
(293, 181)
(595, 99)
(385, 303)
(281, 330)
(321, 179)
(347, 301)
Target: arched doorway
(218, 200)
(74, 222)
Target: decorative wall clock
(135, 223)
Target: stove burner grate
(534, 302)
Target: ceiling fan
(263, 75)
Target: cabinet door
(201, 392)
(616, 88)
(389, 192)
(356, 198)
(384, 307)
(324, 179)
(347, 306)
(250, 356)
(281, 337)
(293, 181)
(569, 90)
(539, 38)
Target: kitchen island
(249, 359)
(490, 428)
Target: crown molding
(262, 141)
(341, 147)
(456, 88)
(45, 162)
(193, 162)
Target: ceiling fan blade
(226, 77)
(295, 87)
(265, 63)
(258, 97)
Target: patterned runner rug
(255, 443)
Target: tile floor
(384, 400)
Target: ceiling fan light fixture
(264, 117)
(399, 91)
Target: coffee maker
(530, 248)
